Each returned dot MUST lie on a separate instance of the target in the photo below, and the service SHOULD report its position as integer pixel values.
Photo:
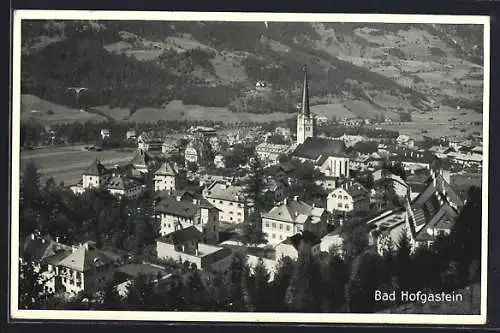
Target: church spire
(305, 96)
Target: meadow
(66, 164)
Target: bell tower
(305, 121)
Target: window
(274, 225)
(231, 218)
(267, 224)
(334, 196)
(345, 198)
(220, 201)
(231, 212)
(230, 204)
(239, 213)
(340, 205)
(281, 237)
(213, 200)
(281, 226)
(287, 228)
(346, 206)
(274, 235)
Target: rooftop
(313, 148)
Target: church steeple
(305, 96)
(305, 121)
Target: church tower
(305, 121)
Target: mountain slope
(391, 67)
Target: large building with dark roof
(178, 212)
(291, 217)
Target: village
(265, 192)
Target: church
(327, 154)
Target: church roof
(95, 169)
(305, 96)
(166, 169)
(140, 158)
(314, 148)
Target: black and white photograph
(249, 167)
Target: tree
(195, 292)
(355, 242)
(251, 233)
(364, 280)
(31, 287)
(111, 300)
(404, 269)
(235, 281)
(305, 292)
(254, 184)
(279, 285)
(141, 295)
(30, 185)
(336, 275)
(258, 287)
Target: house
(166, 177)
(220, 161)
(142, 161)
(412, 159)
(148, 141)
(433, 212)
(328, 183)
(45, 254)
(123, 186)
(126, 274)
(333, 241)
(229, 199)
(328, 155)
(423, 219)
(131, 135)
(283, 131)
(185, 245)
(273, 190)
(269, 152)
(386, 230)
(121, 182)
(291, 217)
(176, 213)
(466, 160)
(191, 154)
(350, 197)
(105, 133)
(168, 145)
(87, 268)
(291, 245)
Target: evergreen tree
(336, 275)
(363, 282)
(235, 282)
(258, 287)
(142, 295)
(279, 286)
(251, 233)
(304, 294)
(195, 293)
(111, 300)
(254, 184)
(404, 269)
(31, 287)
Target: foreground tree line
(328, 282)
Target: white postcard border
(251, 317)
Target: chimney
(295, 198)
(32, 236)
(178, 198)
(285, 201)
(313, 205)
(195, 201)
(57, 239)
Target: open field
(66, 164)
(176, 110)
(36, 109)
